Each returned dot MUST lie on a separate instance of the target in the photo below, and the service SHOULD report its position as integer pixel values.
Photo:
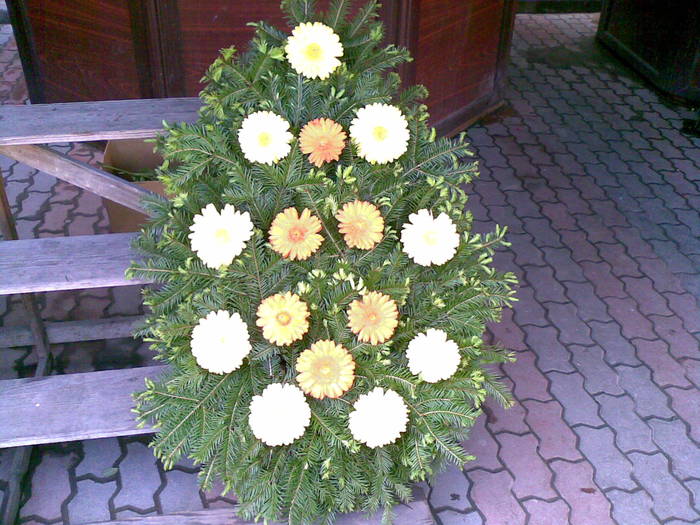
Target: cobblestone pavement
(600, 191)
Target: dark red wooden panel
(85, 49)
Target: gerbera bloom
(361, 224)
(322, 139)
(379, 418)
(218, 238)
(325, 370)
(220, 342)
(313, 50)
(264, 137)
(429, 240)
(294, 236)
(433, 356)
(280, 415)
(283, 318)
(380, 132)
(373, 318)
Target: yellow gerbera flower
(283, 318)
(373, 318)
(361, 224)
(294, 236)
(323, 140)
(325, 370)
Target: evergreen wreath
(320, 297)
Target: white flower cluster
(220, 342)
(218, 238)
(279, 415)
(379, 418)
(433, 356)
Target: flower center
(297, 234)
(222, 340)
(380, 133)
(371, 316)
(222, 235)
(313, 51)
(283, 318)
(430, 238)
(264, 139)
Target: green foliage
(204, 415)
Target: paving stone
(527, 311)
(633, 508)
(551, 354)
(685, 403)
(50, 486)
(605, 283)
(692, 371)
(632, 323)
(91, 502)
(181, 492)
(450, 489)
(574, 481)
(556, 440)
(532, 477)
(491, 493)
(589, 307)
(579, 406)
(481, 444)
(618, 349)
(665, 370)
(694, 487)
(140, 478)
(598, 375)
(670, 499)
(672, 439)
(631, 433)
(649, 399)
(571, 329)
(547, 512)
(450, 517)
(681, 343)
(529, 382)
(611, 468)
(501, 419)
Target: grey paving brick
(611, 468)
(99, 457)
(140, 478)
(633, 509)
(451, 517)
(181, 492)
(631, 433)
(649, 399)
(670, 499)
(672, 439)
(551, 354)
(579, 406)
(50, 487)
(571, 329)
(91, 502)
(451, 489)
(598, 375)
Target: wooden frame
(99, 403)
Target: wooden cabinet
(658, 39)
(76, 50)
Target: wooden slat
(73, 331)
(415, 513)
(84, 121)
(79, 174)
(69, 407)
(65, 263)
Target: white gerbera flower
(313, 50)
(264, 137)
(429, 240)
(220, 342)
(379, 418)
(433, 356)
(380, 132)
(218, 238)
(279, 415)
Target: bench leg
(20, 460)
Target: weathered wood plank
(415, 513)
(65, 263)
(83, 121)
(79, 174)
(61, 408)
(73, 331)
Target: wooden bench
(99, 403)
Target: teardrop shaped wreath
(320, 296)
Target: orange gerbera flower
(323, 140)
(373, 318)
(325, 370)
(294, 236)
(361, 224)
